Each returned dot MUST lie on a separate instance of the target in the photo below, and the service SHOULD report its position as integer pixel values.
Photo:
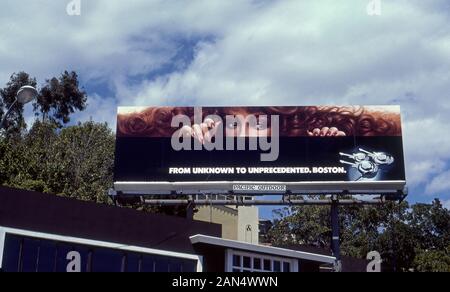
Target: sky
(237, 52)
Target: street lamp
(25, 94)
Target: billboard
(191, 150)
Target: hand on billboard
(326, 132)
(203, 132)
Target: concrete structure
(238, 223)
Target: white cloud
(446, 204)
(102, 110)
(439, 184)
(294, 53)
(110, 38)
(250, 52)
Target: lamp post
(25, 94)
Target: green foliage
(74, 162)
(87, 153)
(301, 225)
(408, 238)
(59, 98)
(77, 162)
(432, 261)
(15, 122)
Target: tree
(301, 225)
(408, 238)
(432, 261)
(397, 246)
(431, 224)
(74, 162)
(28, 158)
(59, 98)
(86, 152)
(50, 157)
(22, 159)
(15, 122)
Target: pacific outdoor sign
(162, 150)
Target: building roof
(349, 264)
(269, 250)
(34, 211)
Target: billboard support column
(335, 233)
(190, 208)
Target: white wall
(248, 217)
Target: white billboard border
(227, 187)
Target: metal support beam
(175, 202)
(335, 233)
(287, 199)
(190, 209)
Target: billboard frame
(259, 188)
(334, 201)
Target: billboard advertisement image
(163, 150)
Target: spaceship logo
(367, 163)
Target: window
(47, 257)
(286, 267)
(248, 262)
(12, 253)
(154, 263)
(107, 260)
(257, 264)
(148, 264)
(73, 257)
(189, 266)
(236, 260)
(30, 249)
(276, 266)
(62, 250)
(28, 254)
(175, 266)
(162, 264)
(32, 253)
(267, 265)
(133, 263)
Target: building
(238, 223)
(234, 256)
(39, 232)
(46, 233)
